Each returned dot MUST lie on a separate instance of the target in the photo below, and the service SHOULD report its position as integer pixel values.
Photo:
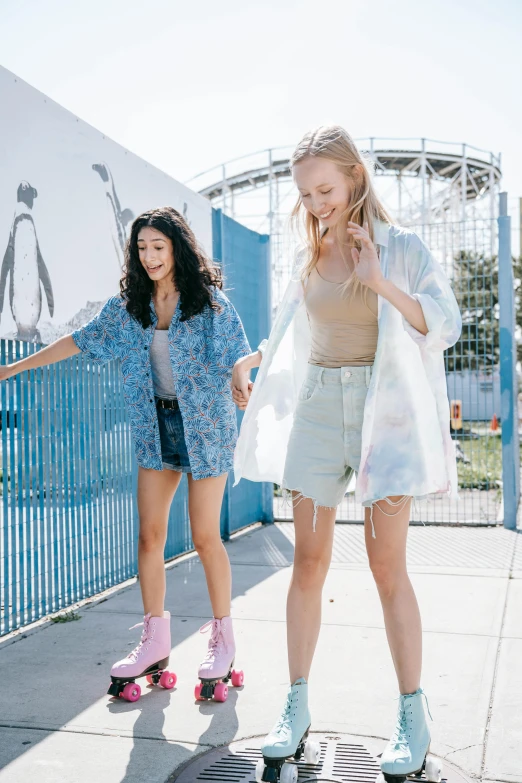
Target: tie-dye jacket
(203, 351)
(406, 443)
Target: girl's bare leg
(205, 499)
(156, 490)
(313, 552)
(387, 556)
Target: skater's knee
(310, 571)
(205, 542)
(387, 575)
(151, 538)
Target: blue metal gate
(244, 255)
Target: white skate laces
(134, 655)
(216, 642)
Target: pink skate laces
(216, 639)
(144, 637)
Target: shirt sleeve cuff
(79, 339)
(83, 341)
(435, 320)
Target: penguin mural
(118, 219)
(23, 261)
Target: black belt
(172, 405)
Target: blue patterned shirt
(203, 351)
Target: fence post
(508, 372)
(218, 252)
(265, 324)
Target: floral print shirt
(203, 351)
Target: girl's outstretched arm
(56, 352)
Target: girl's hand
(368, 270)
(241, 384)
(366, 260)
(239, 397)
(6, 371)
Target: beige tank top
(344, 326)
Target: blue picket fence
(68, 525)
(69, 522)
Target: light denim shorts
(324, 448)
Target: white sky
(189, 85)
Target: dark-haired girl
(177, 338)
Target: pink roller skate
(216, 668)
(149, 659)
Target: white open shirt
(406, 442)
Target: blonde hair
(332, 142)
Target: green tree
(475, 283)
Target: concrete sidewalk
(58, 726)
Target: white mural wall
(68, 195)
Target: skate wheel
(260, 768)
(238, 678)
(288, 773)
(131, 691)
(149, 679)
(433, 770)
(197, 692)
(168, 680)
(221, 692)
(312, 751)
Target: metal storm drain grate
(344, 759)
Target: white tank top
(162, 378)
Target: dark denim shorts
(173, 447)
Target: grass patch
(66, 617)
(484, 470)
(484, 452)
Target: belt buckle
(167, 405)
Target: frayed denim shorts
(324, 448)
(174, 451)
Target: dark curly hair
(194, 273)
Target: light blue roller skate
(407, 751)
(288, 738)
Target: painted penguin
(117, 218)
(23, 260)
